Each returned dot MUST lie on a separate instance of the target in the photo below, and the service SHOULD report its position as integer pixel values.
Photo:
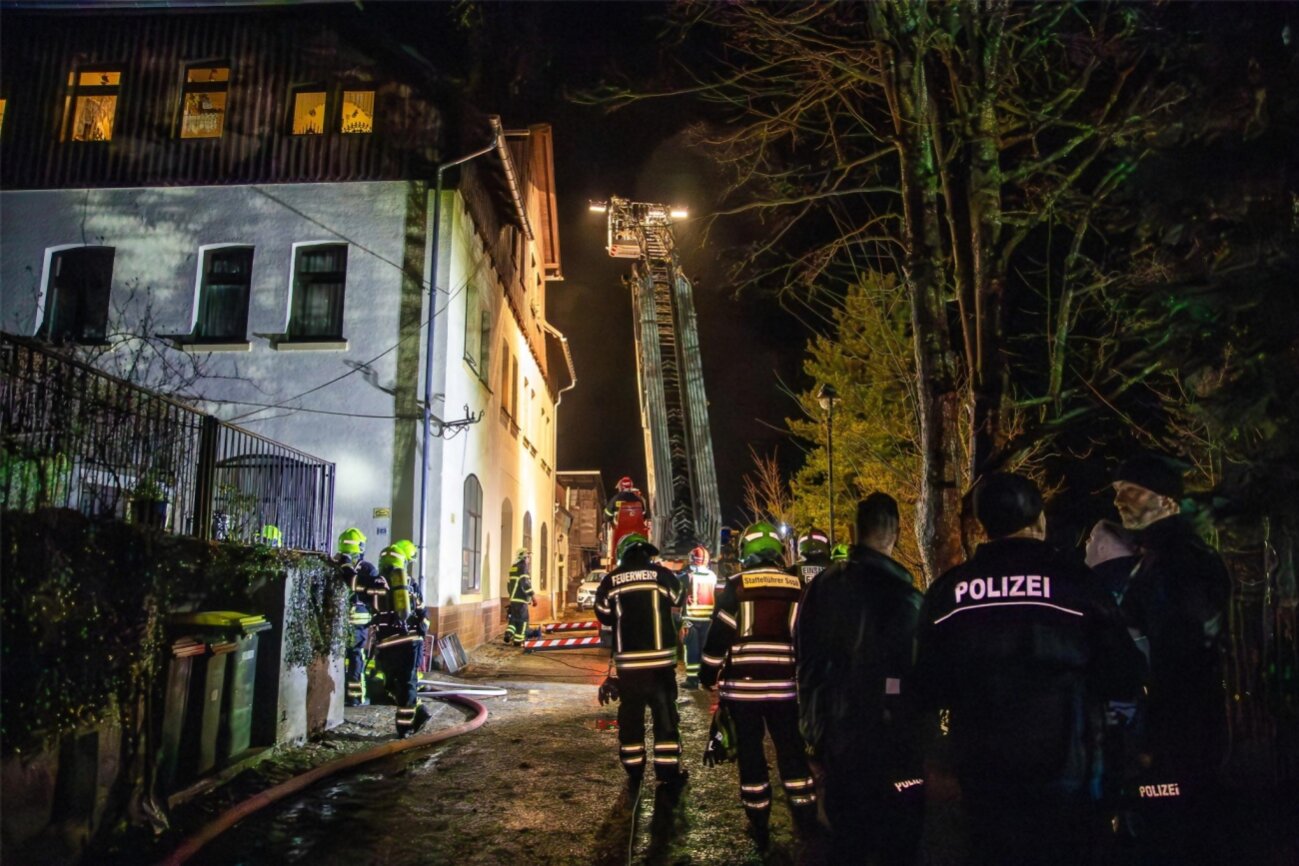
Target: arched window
(507, 544)
(471, 545)
(527, 534)
(544, 568)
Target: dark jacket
(855, 633)
(519, 586)
(636, 601)
(807, 569)
(1177, 598)
(750, 649)
(1023, 646)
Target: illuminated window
(3, 102)
(76, 298)
(223, 297)
(309, 112)
(471, 554)
(203, 109)
(94, 104)
(358, 111)
(320, 272)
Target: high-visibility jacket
(701, 593)
(807, 569)
(750, 648)
(520, 586)
(636, 601)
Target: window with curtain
(93, 103)
(223, 296)
(309, 111)
(203, 104)
(471, 553)
(358, 111)
(77, 296)
(319, 277)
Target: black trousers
(873, 813)
(654, 689)
(753, 720)
(400, 665)
(355, 676)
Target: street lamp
(827, 396)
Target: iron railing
(72, 436)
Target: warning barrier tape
(588, 625)
(561, 642)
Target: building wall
(158, 234)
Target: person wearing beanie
(1177, 599)
(1022, 647)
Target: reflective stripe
(761, 659)
(666, 746)
(667, 759)
(793, 616)
(632, 760)
(713, 661)
(726, 618)
(632, 748)
(757, 696)
(758, 646)
(757, 789)
(630, 666)
(393, 641)
(1008, 604)
(801, 801)
(746, 618)
(759, 684)
(763, 804)
(793, 784)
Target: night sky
(640, 152)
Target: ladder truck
(684, 504)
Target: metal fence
(74, 437)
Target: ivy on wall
(85, 608)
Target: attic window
(204, 103)
(94, 104)
(358, 111)
(309, 112)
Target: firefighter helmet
(839, 553)
(271, 536)
(407, 548)
(522, 553)
(699, 556)
(814, 542)
(625, 484)
(761, 541)
(630, 540)
(351, 542)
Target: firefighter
(626, 492)
(635, 600)
(521, 596)
(700, 593)
(399, 639)
(749, 658)
(272, 537)
(814, 555)
(839, 553)
(364, 583)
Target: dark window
(514, 387)
(543, 566)
(320, 273)
(471, 554)
(223, 298)
(76, 298)
(203, 106)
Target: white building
(257, 194)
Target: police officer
(635, 600)
(855, 634)
(1176, 600)
(364, 584)
(1022, 647)
(521, 597)
(399, 642)
(701, 593)
(813, 555)
(749, 657)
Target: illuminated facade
(258, 191)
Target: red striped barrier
(588, 625)
(561, 642)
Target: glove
(721, 740)
(609, 691)
(534, 602)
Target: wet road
(539, 783)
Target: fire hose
(257, 802)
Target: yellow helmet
(351, 542)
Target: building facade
(238, 208)
(584, 499)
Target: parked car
(586, 591)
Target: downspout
(568, 359)
(497, 142)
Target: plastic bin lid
(229, 620)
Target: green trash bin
(230, 681)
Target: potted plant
(149, 502)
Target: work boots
(759, 830)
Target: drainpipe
(497, 142)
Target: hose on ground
(257, 802)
